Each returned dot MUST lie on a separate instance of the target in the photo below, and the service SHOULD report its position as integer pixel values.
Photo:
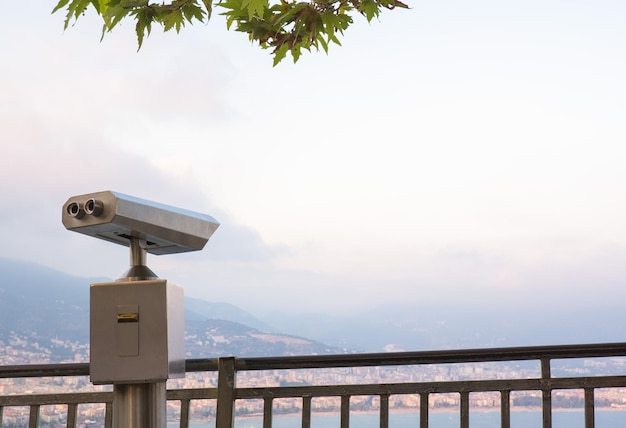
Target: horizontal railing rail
(227, 393)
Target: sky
(452, 152)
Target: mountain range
(45, 304)
(42, 304)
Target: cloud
(40, 176)
(78, 120)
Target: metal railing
(227, 393)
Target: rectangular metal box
(137, 332)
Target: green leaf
(75, 8)
(234, 11)
(279, 54)
(96, 5)
(255, 7)
(192, 10)
(113, 15)
(208, 5)
(324, 43)
(144, 17)
(295, 53)
(369, 8)
(172, 19)
(60, 5)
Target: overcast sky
(454, 151)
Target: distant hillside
(42, 305)
(201, 310)
(215, 338)
(41, 301)
(445, 326)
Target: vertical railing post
(424, 410)
(268, 404)
(505, 409)
(546, 392)
(345, 411)
(33, 419)
(306, 411)
(589, 408)
(464, 409)
(184, 413)
(226, 381)
(72, 409)
(384, 411)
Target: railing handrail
(227, 392)
(433, 357)
(352, 360)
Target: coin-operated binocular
(117, 218)
(137, 328)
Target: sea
(519, 419)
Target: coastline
(399, 411)
(491, 414)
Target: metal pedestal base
(139, 405)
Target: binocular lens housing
(75, 210)
(94, 207)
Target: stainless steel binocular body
(118, 218)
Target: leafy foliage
(285, 26)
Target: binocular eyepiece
(117, 218)
(91, 206)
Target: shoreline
(403, 411)
(393, 411)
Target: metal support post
(139, 405)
